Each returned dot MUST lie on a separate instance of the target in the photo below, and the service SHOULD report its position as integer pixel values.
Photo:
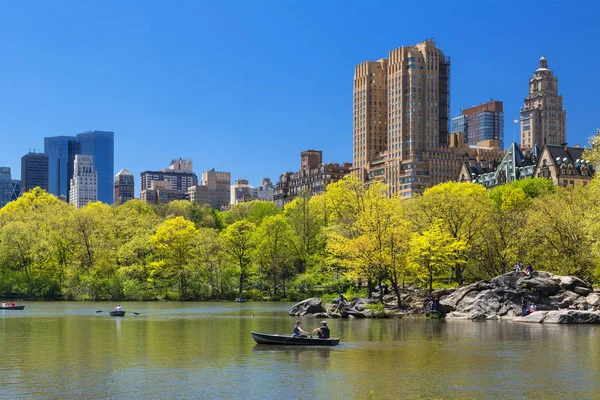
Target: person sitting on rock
(528, 270)
(299, 332)
(524, 307)
(532, 308)
(323, 331)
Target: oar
(98, 311)
(136, 313)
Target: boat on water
(117, 313)
(274, 338)
(240, 300)
(12, 308)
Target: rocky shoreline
(497, 298)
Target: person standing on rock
(523, 307)
(299, 332)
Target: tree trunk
(458, 274)
(397, 291)
(241, 282)
(380, 291)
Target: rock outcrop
(562, 317)
(481, 301)
(501, 296)
(308, 306)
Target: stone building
(264, 191)
(124, 186)
(84, 184)
(161, 192)
(241, 191)
(180, 176)
(219, 187)
(564, 166)
(313, 177)
(543, 118)
(514, 165)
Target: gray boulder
(349, 312)
(572, 317)
(593, 299)
(536, 317)
(501, 296)
(308, 306)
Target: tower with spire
(543, 118)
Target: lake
(204, 350)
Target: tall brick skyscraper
(401, 110)
(543, 118)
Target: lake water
(64, 350)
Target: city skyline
(162, 95)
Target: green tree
(175, 240)
(238, 243)
(274, 252)
(435, 251)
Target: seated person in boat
(118, 307)
(322, 332)
(299, 332)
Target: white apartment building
(84, 184)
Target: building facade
(401, 111)
(219, 187)
(124, 186)
(101, 146)
(564, 166)
(264, 191)
(241, 191)
(180, 176)
(61, 152)
(312, 178)
(16, 189)
(84, 184)
(5, 186)
(161, 192)
(480, 123)
(543, 118)
(34, 171)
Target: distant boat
(117, 313)
(274, 338)
(240, 300)
(12, 308)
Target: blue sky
(244, 86)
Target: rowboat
(238, 300)
(13, 308)
(274, 338)
(117, 313)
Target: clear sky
(244, 86)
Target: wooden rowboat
(117, 313)
(273, 338)
(13, 308)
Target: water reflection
(199, 350)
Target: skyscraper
(5, 186)
(84, 184)
(124, 186)
(543, 118)
(61, 152)
(480, 123)
(100, 145)
(401, 110)
(16, 189)
(34, 171)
